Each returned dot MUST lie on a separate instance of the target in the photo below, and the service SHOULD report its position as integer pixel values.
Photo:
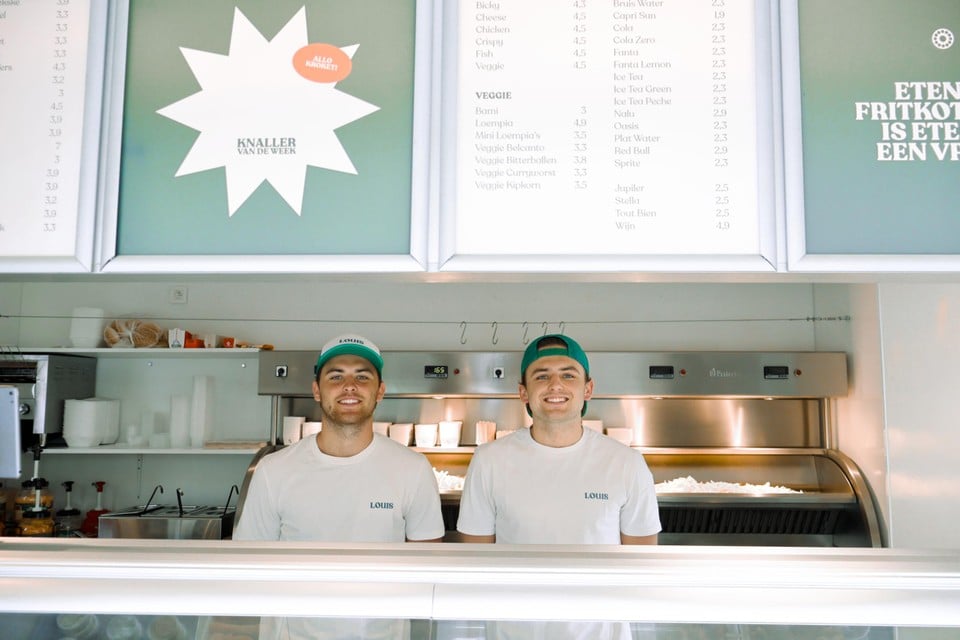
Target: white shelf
(154, 352)
(109, 449)
(113, 449)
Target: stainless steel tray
(167, 522)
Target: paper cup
(86, 327)
(450, 433)
(310, 429)
(401, 432)
(485, 431)
(292, 429)
(425, 434)
(383, 428)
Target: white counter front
(872, 591)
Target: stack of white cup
(292, 429)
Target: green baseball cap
(350, 344)
(571, 350)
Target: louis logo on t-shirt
(381, 505)
(593, 495)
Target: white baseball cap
(350, 344)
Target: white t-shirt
(587, 493)
(385, 493)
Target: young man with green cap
(557, 482)
(347, 484)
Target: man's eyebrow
(341, 369)
(569, 367)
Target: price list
(43, 66)
(607, 127)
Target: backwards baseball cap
(350, 344)
(571, 350)
(568, 347)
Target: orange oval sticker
(320, 62)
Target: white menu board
(48, 114)
(607, 127)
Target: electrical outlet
(499, 373)
(177, 294)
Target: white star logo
(262, 119)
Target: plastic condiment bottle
(68, 520)
(91, 524)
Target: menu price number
(580, 159)
(721, 203)
(579, 29)
(579, 124)
(719, 113)
(60, 39)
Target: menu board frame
(81, 260)
(448, 257)
(799, 257)
(109, 258)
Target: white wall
(921, 351)
(9, 314)
(302, 313)
(860, 415)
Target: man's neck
(564, 434)
(343, 441)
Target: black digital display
(435, 371)
(661, 372)
(776, 372)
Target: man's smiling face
(348, 390)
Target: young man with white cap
(558, 482)
(347, 484)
